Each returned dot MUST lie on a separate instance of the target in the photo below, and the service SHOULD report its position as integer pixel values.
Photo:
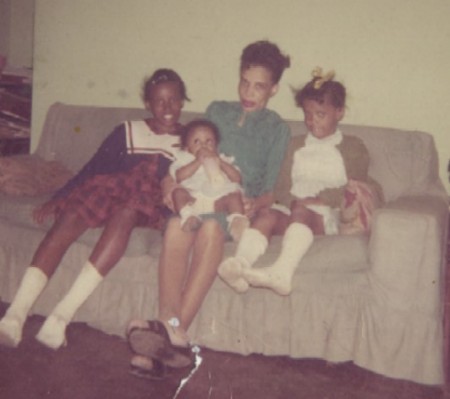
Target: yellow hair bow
(317, 74)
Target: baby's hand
(204, 153)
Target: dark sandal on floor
(157, 372)
(154, 342)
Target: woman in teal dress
(257, 137)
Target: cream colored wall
(5, 7)
(16, 31)
(393, 56)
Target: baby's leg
(183, 201)
(234, 206)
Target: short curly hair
(266, 54)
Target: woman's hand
(253, 205)
(44, 211)
(167, 186)
(249, 207)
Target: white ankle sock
(32, 284)
(251, 246)
(52, 332)
(278, 277)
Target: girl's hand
(41, 213)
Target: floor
(95, 365)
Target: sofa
(373, 299)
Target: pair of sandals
(152, 342)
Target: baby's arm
(230, 170)
(184, 166)
(186, 171)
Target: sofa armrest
(406, 253)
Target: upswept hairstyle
(330, 90)
(163, 75)
(266, 54)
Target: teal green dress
(258, 146)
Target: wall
(5, 11)
(393, 56)
(16, 31)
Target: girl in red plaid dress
(118, 189)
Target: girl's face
(201, 137)
(321, 119)
(256, 88)
(165, 102)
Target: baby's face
(201, 137)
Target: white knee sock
(237, 224)
(251, 246)
(32, 284)
(52, 332)
(278, 277)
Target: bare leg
(233, 204)
(173, 269)
(181, 292)
(301, 214)
(114, 240)
(66, 229)
(106, 254)
(183, 201)
(207, 254)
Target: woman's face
(165, 102)
(255, 88)
(321, 119)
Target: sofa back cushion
(403, 162)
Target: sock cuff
(36, 273)
(253, 238)
(90, 269)
(297, 231)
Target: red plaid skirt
(102, 195)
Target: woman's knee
(210, 230)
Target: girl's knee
(268, 216)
